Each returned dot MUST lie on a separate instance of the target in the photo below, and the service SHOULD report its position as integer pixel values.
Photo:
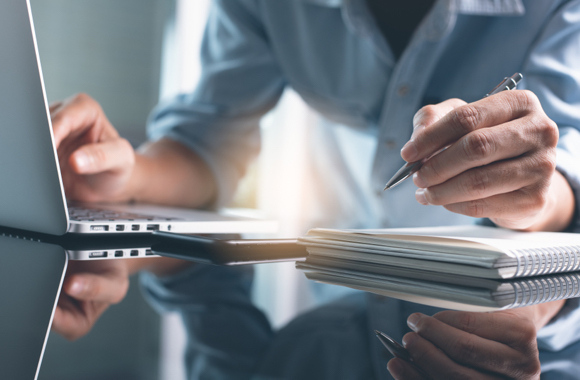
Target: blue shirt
(333, 55)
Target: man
(355, 64)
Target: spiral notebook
(474, 251)
(443, 290)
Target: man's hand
(500, 161)
(89, 289)
(96, 163)
(461, 345)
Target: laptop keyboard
(96, 214)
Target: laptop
(31, 276)
(31, 192)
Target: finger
(100, 157)
(76, 116)
(515, 208)
(511, 327)
(490, 355)
(432, 113)
(479, 148)
(73, 320)
(436, 363)
(96, 287)
(484, 182)
(401, 369)
(488, 112)
(54, 106)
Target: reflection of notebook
(31, 275)
(443, 290)
(31, 192)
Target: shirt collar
(472, 7)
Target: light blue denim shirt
(333, 55)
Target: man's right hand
(96, 163)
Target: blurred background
(127, 55)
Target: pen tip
(377, 332)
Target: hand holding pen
(468, 345)
(410, 168)
(499, 160)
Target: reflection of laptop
(31, 275)
(31, 191)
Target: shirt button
(403, 90)
(391, 144)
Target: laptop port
(120, 227)
(153, 227)
(134, 252)
(135, 227)
(100, 228)
(148, 252)
(118, 253)
(98, 255)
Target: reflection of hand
(89, 289)
(462, 345)
(96, 163)
(500, 162)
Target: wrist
(558, 211)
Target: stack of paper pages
(462, 267)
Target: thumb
(104, 156)
(97, 288)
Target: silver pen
(410, 168)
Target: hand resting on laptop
(98, 165)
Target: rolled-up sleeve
(552, 73)
(240, 82)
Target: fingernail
(420, 197)
(409, 151)
(81, 160)
(413, 320)
(419, 181)
(76, 288)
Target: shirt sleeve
(551, 72)
(240, 82)
(226, 334)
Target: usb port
(120, 227)
(153, 227)
(100, 228)
(98, 255)
(148, 252)
(118, 253)
(134, 252)
(135, 227)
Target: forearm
(168, 173)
